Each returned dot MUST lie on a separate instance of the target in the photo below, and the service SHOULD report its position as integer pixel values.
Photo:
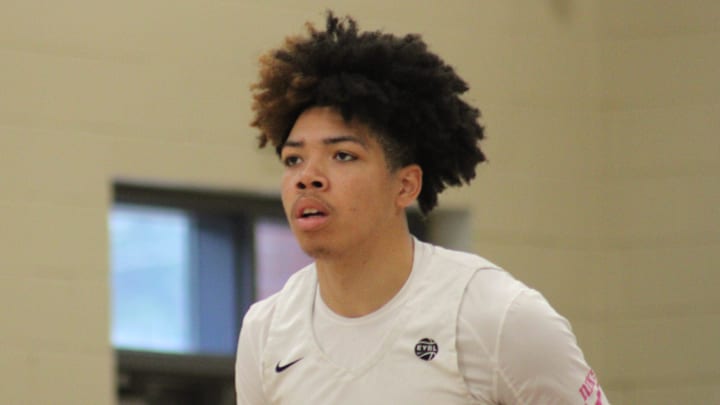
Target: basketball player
(367, 123)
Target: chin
(317, 249)
(316, 252)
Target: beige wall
(661, 114)
(603, 189)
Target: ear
(410, 182)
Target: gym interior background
(602, 191)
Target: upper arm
(538, 358)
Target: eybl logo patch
(426, 349)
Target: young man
(366, 124)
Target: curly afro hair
(405, 94)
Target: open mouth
(311, 212)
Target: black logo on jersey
(280, 369)
(426, 349)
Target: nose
(312, 178)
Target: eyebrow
(333, 140)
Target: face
(337, 189)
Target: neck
(361, 282)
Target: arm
(539, 361)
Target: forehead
(321, 122)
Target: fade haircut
(406, 95)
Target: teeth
(310, 211)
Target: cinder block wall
(661, 207)
(602, 189)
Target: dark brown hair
(404, 93)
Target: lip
(312, 223)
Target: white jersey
(460, 331)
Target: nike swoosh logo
(280, 369)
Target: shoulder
(255, 329)
(490, 289)
(531, 347)
(254, 337)
(260, 314)
(454, 258)
(490, 295)
(499, 309)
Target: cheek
(288, 182)
(374, 198)
(285, 179)
(286, 191)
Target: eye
(344, 157)
(291, 160)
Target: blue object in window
(151, 279)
